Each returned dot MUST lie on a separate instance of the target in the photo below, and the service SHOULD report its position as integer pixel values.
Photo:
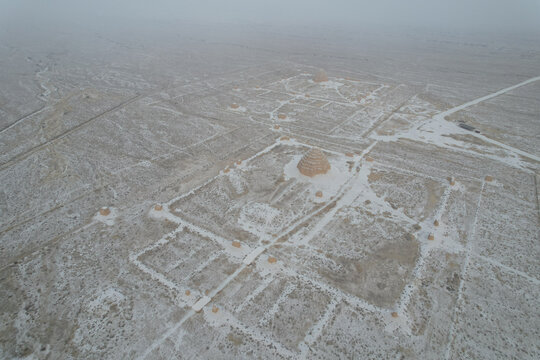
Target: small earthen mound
(236, 244)
(215, 309)
(188, 292)
(489, 178)
(349, 154)
(238, 162)
(226, 170)
(104, 211)
(283, 138)
(436, 223)
(318, 194)
(234, 106)
(452, 180)
(158, 207)
(431, 237)
(313, 163)
(276, 127)
(282, 116)
(369, 158)
(321, 76)
(394, 314)
(272, 260)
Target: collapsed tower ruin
(314, 162)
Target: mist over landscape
(255, 179)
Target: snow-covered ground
(422, 243)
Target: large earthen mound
(321, 76)
(313, 163)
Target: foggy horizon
(269, 180)
(483, 16)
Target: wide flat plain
(424, 243)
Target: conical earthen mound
(313, 163)
(321, 76)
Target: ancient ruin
(313, 163)
(320, 76)
(191, 195)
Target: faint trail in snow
(455, 248)
(41, 81)
(442, 117)
(536, 181)
(22, 118)
(463, 273)
(425, 248)
(256, 334)
(507, 147)
(68, 132)
(444, 114)
(166, 335)
(331, 131)
(533, 280)
(384, 166)
(35, 249)
(438, 131)
(268, 315)
(336, 292)
(259, 289)
(316, 330)
(383, 119)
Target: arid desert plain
(151, 204)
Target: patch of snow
(237, 181)
(330, 84)
(201, 303)
(253, 255)
(328, 183)
(258, 219)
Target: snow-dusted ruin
(162, 203)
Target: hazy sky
(484, 15)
